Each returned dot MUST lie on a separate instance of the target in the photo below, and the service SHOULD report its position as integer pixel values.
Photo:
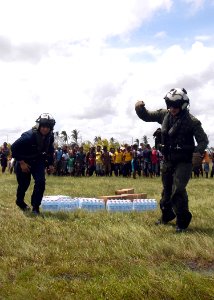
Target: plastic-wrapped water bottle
(68, 204)
(91, 204)
(59, 202)
(119, 205)
(50, 205)
(153, 204)
(144, 204)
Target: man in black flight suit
(34, 152)
(179, 128)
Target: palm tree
(137, 141)
(145, 140)
(75, 136)
(97, 139)
(113, 143)
(64, 136)
(112, 140)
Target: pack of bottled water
(67, 203)
(119, 205)
(91, 204)
(59, 203)
(144, 204)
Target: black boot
(35, 210)
(183, 221)
(167, 215)
(22, 205)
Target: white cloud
(94, 90)
(203, 38)
(53, 20)
(161, 34)
(195, 5)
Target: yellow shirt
(98, 157)
(118, 157)
(127, 156)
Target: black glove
(139, 105)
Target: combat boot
(36, 210)
(167, 216)
(22, 205)
(183, 221)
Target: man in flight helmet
(179, 128)
(34, 152)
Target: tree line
(74, 138)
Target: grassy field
(101, 255)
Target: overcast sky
(87, 62)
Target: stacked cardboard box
(124, 194)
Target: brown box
(124, 191)
(134, 196)
(124, 197)
(113, 197)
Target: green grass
(101, 255)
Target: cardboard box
(124, 197)
(124, 191)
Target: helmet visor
(174, 104)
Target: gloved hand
(24, 166)
(139, 105)
(196, 160)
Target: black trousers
(174, 202)
(37, 171)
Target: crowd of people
(124, 161)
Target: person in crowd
(147, 162)
(58, 161)
(11, 165)
(206, 163)
(80, 162)
(179, 129)
(34, 152)
(127, 159)
(106, 161)
(197, 168)
(91, 161)
(118, 159)
(154, 160)
(99, 163)
(65, 157)
(71, 163)
(135, 161)
(112, 155)
(4, 153)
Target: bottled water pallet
(144, 204)
(119, 205)
(59, 203)
(128, 205)
(66, 203)
(91, 204)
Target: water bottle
(144, 204)
(50, 205)
(92, 204)
(119, 205)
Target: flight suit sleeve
(51, 151)
(20, 146)
(150, 116)
(200, 137)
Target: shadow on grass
(60, 216)
(207, 230)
